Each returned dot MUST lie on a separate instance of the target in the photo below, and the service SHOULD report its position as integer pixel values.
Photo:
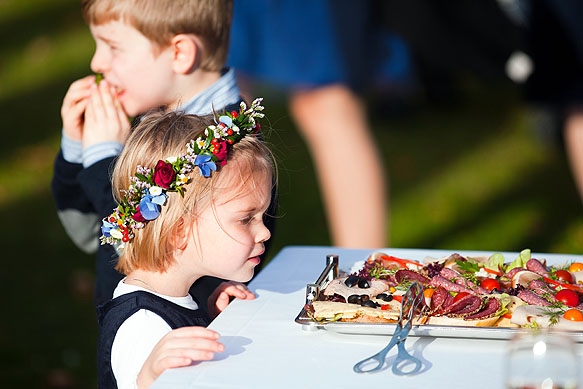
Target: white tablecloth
(266, 348)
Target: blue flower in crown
(150, 206)
(205, 164)
(106, 228)
(144, 199)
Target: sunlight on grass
(571, 239)
(462, 188)
(34, 165)
(14, 9)
(43, 60)
(517, 222)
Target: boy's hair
(159, 21)
(159, 136)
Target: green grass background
(469, 174)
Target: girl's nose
(263, 235)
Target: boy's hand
(74, 105)
(221, 296)
(105, 119)
(179, 347)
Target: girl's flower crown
(143, 200)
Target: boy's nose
(98, 62)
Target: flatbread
(332, 310)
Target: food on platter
(486, 291)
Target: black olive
(354, 299)
(385, 297)
(351, 281)
(363, 283)
(364, 297)
(370, 303)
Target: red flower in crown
(164, 174)
(220, 151)
(138, 215)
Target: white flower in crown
(171, 159)
(181, 179)
(116, 234)
(155, 190)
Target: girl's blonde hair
(160, 21)
(162, 135)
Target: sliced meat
(541, 288)
(532, 298)
(467, 305)
(440, 298)
(438, 280)
(457, 278)
(537, 266)
(410, 275)
(512, 272)
(490, 308)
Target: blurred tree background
(468, 171)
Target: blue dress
(310, 43)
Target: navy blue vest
(113, 313)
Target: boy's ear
(185, 53)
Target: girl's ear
(181, 233)
(186, 52)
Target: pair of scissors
(404, 360)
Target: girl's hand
(74, 105)
(179, 347)
(105, 119)
(221, 296)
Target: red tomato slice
(490, 284)
(568, 297)
(564, 276)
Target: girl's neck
(167, 283)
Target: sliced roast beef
(512, 272)
(532, 298)
(490, 308)
(457, 278)
(541, 288)
(438, 280)
(536, 266)
(467, 305)
(410, 275)
(440, 298)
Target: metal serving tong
(404, 360)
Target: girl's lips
(255, 260)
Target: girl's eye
(246, 220)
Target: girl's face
(127, 60)
(229, 236)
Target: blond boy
(151, 54)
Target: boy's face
(127, 60)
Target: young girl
(192, 194)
